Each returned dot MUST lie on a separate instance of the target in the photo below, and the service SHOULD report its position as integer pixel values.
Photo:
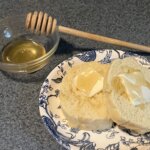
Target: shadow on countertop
(68, 48)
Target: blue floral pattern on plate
(71, 138)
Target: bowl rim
(5, 66)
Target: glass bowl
(12, 28)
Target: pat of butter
(89, 82)
(137, 89)
(146, 93)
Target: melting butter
(146, 93)
(89, 82)
(136, 87)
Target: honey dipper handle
(103, 39)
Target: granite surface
(21, 127)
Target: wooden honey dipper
(40, 22)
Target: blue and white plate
(75, 139)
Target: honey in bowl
(22, 51)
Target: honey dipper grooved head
(40, 22)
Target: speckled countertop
(21, 127)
